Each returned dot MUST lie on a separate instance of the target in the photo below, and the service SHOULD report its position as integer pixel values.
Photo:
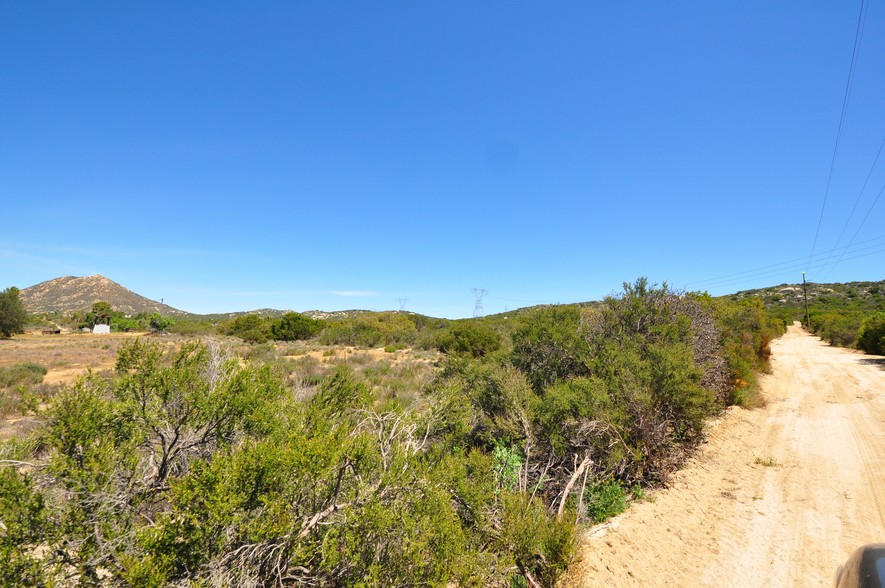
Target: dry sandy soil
(778, 496)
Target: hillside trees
(13, 315)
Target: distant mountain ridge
(70, 294)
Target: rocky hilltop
(72, 294)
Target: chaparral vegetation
(471, 460)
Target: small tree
(160, 323)
(102, 313)
(13, 315)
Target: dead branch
(571, 482)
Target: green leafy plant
(605, 499)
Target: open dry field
(65, 356)
(69, 356)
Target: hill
(856, 296)
(71, 294)
(836, 312)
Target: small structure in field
(101, 330)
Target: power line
(857, 200)
(860, 226)
(879, 250)
(518, 300)
(870, 246)
(858, 35)
(790, 263)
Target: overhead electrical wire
(853, 208)
(870, 246)
(858, 35)
(864, 220)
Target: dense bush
(251, 328)
(746, 332)
(24, 518)
(468, 338)
(372, 329)
(837, 328)
(836, 311)
(549, 345)
(190, 469)
(293, 326)
(872, 335)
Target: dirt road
(778, 496)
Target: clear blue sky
(329, 155)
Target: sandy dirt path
(778, 496)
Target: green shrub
(251, 328)
(541, 546)
(371, 329)
(293, 326)
(469, 337)
(508, 464)
(24, 516)
(837, 328)
(549, 345)
(191, 468)
(872, 335)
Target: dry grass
(401, 373)
(66, 358)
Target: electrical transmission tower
(479, 293)
(402, 303)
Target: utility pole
(402, 303)
(479, 293)
(805, 288)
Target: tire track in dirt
(776, 497)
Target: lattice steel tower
(479, 293)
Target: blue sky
(301, 155)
